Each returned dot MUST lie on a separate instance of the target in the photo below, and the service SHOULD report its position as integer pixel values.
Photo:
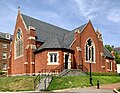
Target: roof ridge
(80, 26)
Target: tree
(117, 55)
(109, 48)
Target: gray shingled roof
(44, 31)
(80, 28)
(107, 53)
(53, 43)
(3, 35)
(68, 39)
(52, 36)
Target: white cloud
(89, 8)
(114, 15)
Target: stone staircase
(44, 83)
(72, 72)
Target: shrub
(103, 74)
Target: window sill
(18, 57)
(53, 63)
(109, 70)
(90, 62)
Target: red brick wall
(113, 66)
(41, 60)
(81, 39)
(6, 50)
(17, 65)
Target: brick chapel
(38, 45)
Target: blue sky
(68, 14)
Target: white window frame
(4, 55)
(110, 63)
(15, 44)
(53, 63)
(7, 36)
(93, 45)
(4, 66)
(4, 45)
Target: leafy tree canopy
(117, 55)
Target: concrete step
(72, 72)
(44, 83)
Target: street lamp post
(90, 66)
(90, 58)
(90, 74)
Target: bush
(103, 74)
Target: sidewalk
(110, 86)
(103, 89)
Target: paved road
(89, 90)
(103, 89)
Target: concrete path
(103, 89)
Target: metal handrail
(83, 68)
(39, 76)
(43, 73)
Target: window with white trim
(89, 51)
(19, 44)
(7, 36)
(4, 55)
(4, 66)
(4, 45)
(53, 57)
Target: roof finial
(18, 8)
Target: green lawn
(25, 83)
(18, 83)
(80, 81)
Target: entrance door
(66, 61)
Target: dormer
(7, 36)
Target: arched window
(19, 44)
(89, 51)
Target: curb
(63, 90)
(115, 90)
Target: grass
(80, 81)
(18, 83)
(25, 83)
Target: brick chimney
(113, 53)
(31, 48)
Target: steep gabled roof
(107, 53)
(53, 43)
(80, 28)
(69, 37)
(52, 36)
(44, 30)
